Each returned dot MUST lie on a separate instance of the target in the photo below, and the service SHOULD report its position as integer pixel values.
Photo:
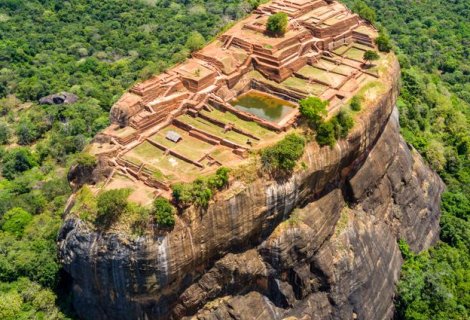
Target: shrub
(345, 123)
(111, 204)
(16, 161)
(201, 191)
(355, 103)
(371, 55)
(5, 133)
(277, 24)
(195, 41)
(15, 220)
(182, 194)
(383, 42)
(326, 134)
(164, 212)
(313, 109)
(220, 179)
(281, 158)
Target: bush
(182, 194)
(201, 191)
(313, 109)
(326, 134)
(5, 133)
(281, 158)
(164, 212)
(345, 123)
(383, 42)
(355, 103)
(220, 179)
(111, 204)
(17, 161)
(277, 24)
(15, 220)
(371, 55)
(195, 41)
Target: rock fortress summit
(320, 244)
(196, 101)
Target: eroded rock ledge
(250, 257)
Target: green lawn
(355, 54)
(302, 85)
(249, 126)
(204, 125)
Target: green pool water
(263, 106)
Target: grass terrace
(188, 146)
(355, 54)
(306, 86)
(331, 78)
(248, 126)
(211, 128)
(164, 166)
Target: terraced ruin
(237, 94)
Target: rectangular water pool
(263, 106)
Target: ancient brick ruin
(321, 54)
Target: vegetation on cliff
(201, 190)
(281, 158)
(432, 41)
(327, 132)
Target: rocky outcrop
(59, 98)
(321, 245)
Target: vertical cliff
(321, 245)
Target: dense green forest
(95, 49)
(432, 40)
(98, 48)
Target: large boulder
(59, 98)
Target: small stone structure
(320, 55)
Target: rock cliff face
(322, 245)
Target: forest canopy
(95, 49)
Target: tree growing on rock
(371, 55)
(164, 212)
(111, 204)
(313, 109)
(277, 24)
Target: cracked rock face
(322, 245)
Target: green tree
(277, 24)
(383, 42)
(345, 123)
(195, 41)
(5, 133)
(17, 160)
(281, 158)
(15, 220)
(371, 55)
(164, 212)
(326, 134)
(111, 204)
(355, 103)
(314, 110)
